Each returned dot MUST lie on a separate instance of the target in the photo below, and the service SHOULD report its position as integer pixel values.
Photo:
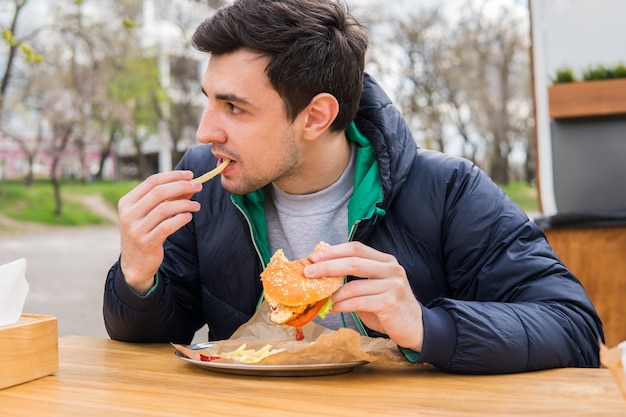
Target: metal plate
(252, 369)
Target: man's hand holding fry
(148, 214)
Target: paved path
(66, 269)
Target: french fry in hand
(212, 173)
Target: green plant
(564, 75)
(619, 71)
(597, 72)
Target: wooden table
(99, 377)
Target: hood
(385, 127)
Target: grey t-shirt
(297, 222)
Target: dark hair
(314, 46)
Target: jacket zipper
(256, 248)
(355, 317)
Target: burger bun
(285, 283)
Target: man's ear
(320, 114)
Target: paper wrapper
(612, 358)
(320, 345)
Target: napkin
(320, 345)
(13, 291)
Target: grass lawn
(36, 203)
(524, 194)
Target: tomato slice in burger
(308, 314)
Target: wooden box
(29, 349)
(587, 98)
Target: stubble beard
(284, 167)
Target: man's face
(246, 122)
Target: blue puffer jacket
(496, 298)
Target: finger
(351, 249)
(164, 212)
(179, 190)
(154, 180)
(383, 298)
(149, 233)
(357, 305)
(356, 289)
(395, 289)
(168, 226)
(355, 266)
(142, 254)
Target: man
(438, 259)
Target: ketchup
(299, 334)
(207, 358)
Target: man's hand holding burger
(384, 300)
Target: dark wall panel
(589, 164)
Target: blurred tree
(14, 43)
(181, 73)
(494, 54)
(95, 48)
(59, 91)
(422, 93)
(184, 112)
(69, 90)
(137, 88)
(463, 78)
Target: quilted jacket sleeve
(166, 314)
(513, 305)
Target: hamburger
(294, 299)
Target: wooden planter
(587, 99)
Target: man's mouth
(222, 160)
(214, 172)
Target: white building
(581, 160)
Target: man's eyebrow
(233, 98)
(229, 97)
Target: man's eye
(234, 109)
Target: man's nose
(208, 129)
